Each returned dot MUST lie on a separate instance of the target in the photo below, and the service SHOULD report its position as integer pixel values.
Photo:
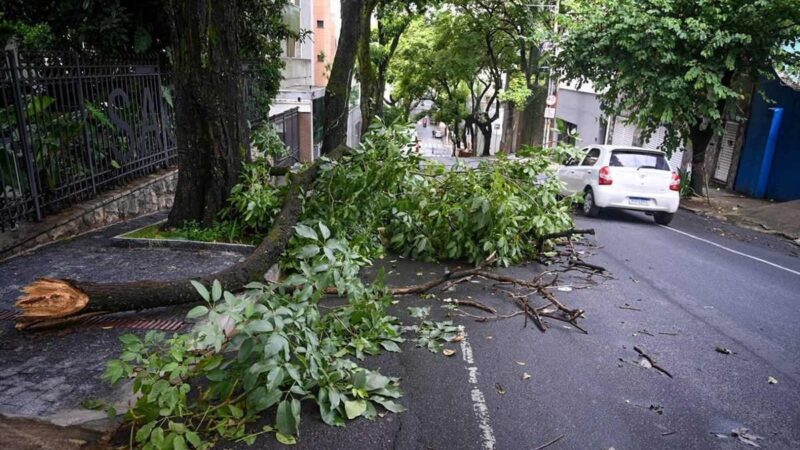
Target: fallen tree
(49, 300)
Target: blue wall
(784, 178)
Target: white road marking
(478, 399)
(777, 266)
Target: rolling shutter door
(725, 157)
(623, 133)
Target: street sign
(549, 113)
(551, 100)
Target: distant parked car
(621, 177)
(438, 133)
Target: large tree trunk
(46, 300)
(531, 130)
(209, 113)
(699, 137)
(486, 130)
(507, 136)
(337, 94)
(366, 69)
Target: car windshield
(638, 160)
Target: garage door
(725, 157)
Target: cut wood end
(46, 299)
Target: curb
(123, 241)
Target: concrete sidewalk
(763, 215)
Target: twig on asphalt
(550, 443)
(474, 304)
(652, 361)
(628, 307)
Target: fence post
(22, 125)
(163, 114)
(85, 123)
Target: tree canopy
(674, 62)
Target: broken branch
(46, 299)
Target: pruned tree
(674, 63)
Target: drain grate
(8, 315)
(136, 323)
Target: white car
(624, 178)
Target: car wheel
(663, 218)
(589, 207)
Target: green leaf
(308, 251)
(179, 443)
(354, 408)
(143, 433)
(360, 379)
(275, 344)
(130, 339)
(390, 346)
(157, 437)
(326, 233)
(216, 291)
(306, 231)
(285, 439)
(197, 311)
(376, 381)
(201, 290)
(259, 326)
(390, 405)
(194, 439)
(285, 419)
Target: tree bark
(337, 94)
(366, 69)
(209, 113)
(486, 130)
(700, 135)
(531, 131)
(47, 300)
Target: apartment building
(307, 67)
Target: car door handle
(588, 171)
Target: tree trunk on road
(209, 113)
(48, 300)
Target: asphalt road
(689, 298)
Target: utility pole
(552, 85)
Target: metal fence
(287, 125)
(71, 127)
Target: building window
(320, 24)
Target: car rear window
(638, 160)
